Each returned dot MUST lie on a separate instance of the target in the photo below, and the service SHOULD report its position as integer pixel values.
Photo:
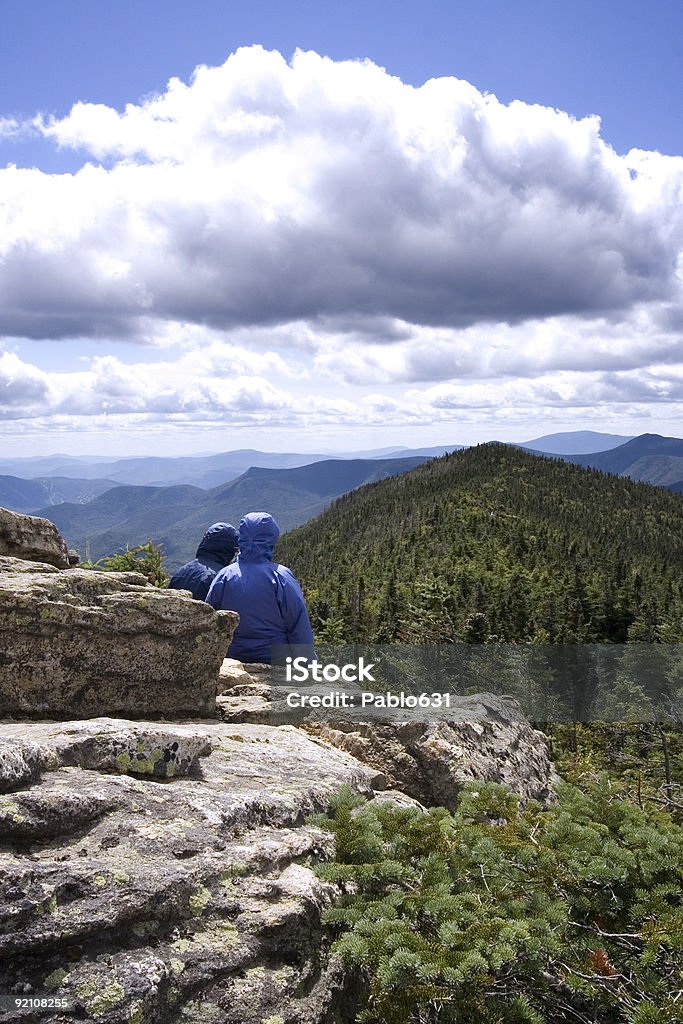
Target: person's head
(257, 536)
(219, 544)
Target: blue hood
(218, 545)
(257, 537)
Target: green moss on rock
(56, 978)
(199, 900)
(107, 997)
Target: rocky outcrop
(76, 643)
(188, 899)
(32, 538)
(244, 693)
(484, 737)
(155, 873)
(432, 761)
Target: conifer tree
(497, 914)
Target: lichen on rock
(78, 643)
(32, 538)
(143, 898)
(483, 738)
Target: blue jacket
(266, 596)
(217, 549)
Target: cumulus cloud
(316, 241)
(194, 391)
(493, 351)
(212, 382)
(21, 385)
(267, 192)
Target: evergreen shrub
(498, 914)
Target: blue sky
(617, 58)
(307, 253)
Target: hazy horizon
(304, 449)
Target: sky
(304, 226)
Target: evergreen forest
(499, 914)
(502, 914)
(491, 544)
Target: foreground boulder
(184, 900)
(484, 737)
(32, 538)
(79, 643)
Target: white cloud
(492, 351)
(196, 389)
(265, 192)
(9, 127)
(213, 383)
(284, 229)
(21, 385)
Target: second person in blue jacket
(217, 549)
(266, 596)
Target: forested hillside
(493, 543)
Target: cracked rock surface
(483, 737)
(181, 899)
(76, 642)
(432, 761)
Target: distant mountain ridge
(177, 516)
(211, 470)
(159, 471)
(650, 458)
(575, 442)
(22, 495)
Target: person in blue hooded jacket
(217, 549)
(266, 596)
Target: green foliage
(494, 915)
(645, 758)
(492, 544)
(146, 559)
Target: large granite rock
(79, 643)
(32, 538)
(101, 744)
(185, 900)
(484, 737)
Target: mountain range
(575, 442)
(100, 515)
(198, 470)
(177, 516)
(649, 457)
(23, 495)
(204, 471)
(209, 471)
